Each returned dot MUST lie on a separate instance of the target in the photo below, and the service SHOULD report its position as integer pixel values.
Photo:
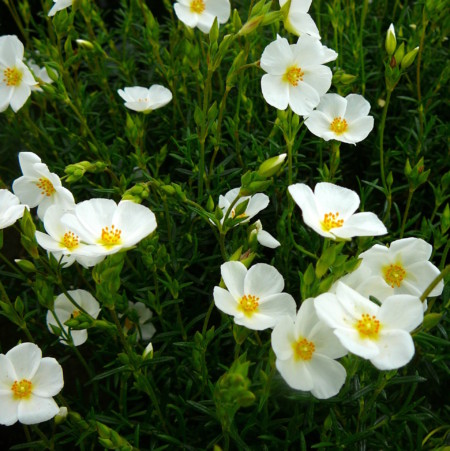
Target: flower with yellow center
(342, 119)
(254, 297)
(380, 334)
(201, 13)
(330, 211)
(296, 75)
(306, 349)
(28, 383)
(64, 309)
(145, 100)
(16, 80)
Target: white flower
(59, 5)
(305, 348)
(264, 238)
(401, 268)
(27, 384)
(296, 76)
(379, 334)
(40, 187)
(145, 100)
(343, 119)
(298, 21)
(254, 297)
(108, 226)
(10, 208)
(201, 13)
(256, 203)
(146, 329)
(64, 244)
(330, 211)
(16, 79)
(64, 310)
(41, 74)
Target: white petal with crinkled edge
(36, 410)
(277, 305)
(266, 239)
(396, 350)
(9, 409)
(299, 23)
(277, 57)
(58, 6)
(360, 224)
(233, 275)
(262, 280)
(184, 13)
(219, 8)
(25, 359)
(48, 380)
(303, 98)
(328, 375)
(225, 301)
(363, 347)
(257, 202)
(296, 374)
(282, 338)
(275, 91)
(7, 374)
(401, 311)
(334, 198)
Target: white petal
(277, 57)
(25, 359)
(396, 350)
(328, 376)
(305, 199)
(333, 198)
(257, 321)
(262, 280)
(300, 23)
(159, 96)
(7, 374)
(10, 407)
(233, 275)
(11, 50)
(303, 98)
(20, 96)
(266, 239)
(358, 130)
(219, 8)
(360, 224)
(401, 311)
(319, 78)
(225, 301)
(48, 380)
(283, 337)
(26, 190)
(37, 409)
(277, 305)
(319, 124)
(357, 107)
(332, 105)
(363, 347)
(275, 91)
(296, 373)
(257, 202)
(421, 274)
(184, 13)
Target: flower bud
(148, 352)
(61, 415)
(399, 53)
(271, 166)
(409, 58)
(391, 40)
(84, 44)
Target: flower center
(22, 389)
(339, 125)
(76, 313)
(394, 274)
(46, 186)
(293, 75)
(331, 221)
(12, 76)
(248, 304)
(368, 326)
(128, 324)
(197, 6)
(110, 236)
(303, 349)
(70, 240)
(233, 214)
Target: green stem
(335, 158)
(405, 214)
(387, 191)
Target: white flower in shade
(256, 203)
(40, 187)
(305, 348)
(59, 5)
(41, 74)
(65, 245)
(264, 238)
(64, 310)
(145, 328)
(254, 297)
(16, 79)
(341, 118)
(28, 383)
(10, 208)
(201, 13)
(145, 99)
(379, 334)
(329, 211)
(108, 226)
(298, 21)
(296, 76)
(401, 268)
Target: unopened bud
(391, 40)
(271, 166)
(85, 44)
(61, 415)
(409, 58)
(148, 352)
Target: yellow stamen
(339, 125)
(76, 313)
(368, 326)
(70, 240)
(303, 349)
(394, 274)
(12, 76)
(110, 236)
(248, 304)
(197, 6)
(331, 221)
(22, 389)
(293, 75)
(46, 186)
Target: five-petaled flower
(329, 211)
(254, 297)
(305, 348)
(296, 75)
(10, 208)
(145, 100)
(379, 334)
(28, 383)
(16, 80)
(201, 13)
(341, 118)
(298, 21)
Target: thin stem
(382, 162)
(405, 214)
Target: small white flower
(329, 211)
(16, 79)
(305, 348)
(40, 187)
(264, 238)
(201, 13)
(379, 334)
(59, 5)
(254, 297)
(28, 383)
(401, 268)
(256, 203)
(296, 76)
(41, 74)
(65, 310)
(145, 100)
(146, 329)
(10, 208)
(343, 119)
(108, 226)
(298, 20)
